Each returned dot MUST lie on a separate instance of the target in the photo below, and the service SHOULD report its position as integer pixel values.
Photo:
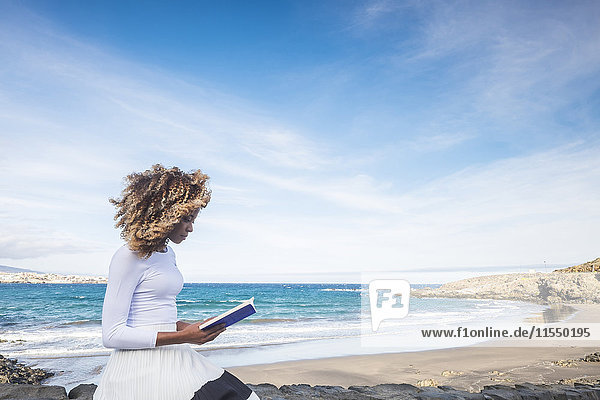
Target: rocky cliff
(543, 288)
(590, 266)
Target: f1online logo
(389, 299)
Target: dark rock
(387, 391)
(582, 385)
(441, 395)
(32, 392)
(430, 389)
(529, 386)
(528, 394)
(524, 391)
(266, 391)
(539, 390)
(498, 387)
(461, 394)
(320, 392)
(12, 371)
(83, 392)
(264, 388)
(558, 392)
(338, 392)
(446, 388)
(594, 357)
(501, 394)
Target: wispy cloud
(76, 118)
(529, 62)
(438, 142)
(20, 241)
(377, 14)
(514, 68)
(107, 118)
(518, 211)
(284, 149)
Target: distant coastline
(33, 277)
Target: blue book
(230, 317)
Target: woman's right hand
(190, 334)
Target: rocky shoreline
(389, 391)
(14, 372)
(541, 288)
(20, 387)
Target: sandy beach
(468, 368)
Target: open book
(232, 316)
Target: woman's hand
(200, 336)
(182, 325)
(190, 334)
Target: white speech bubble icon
(389, 299)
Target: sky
(439, 140)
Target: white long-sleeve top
(139, 292)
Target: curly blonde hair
(154, 201)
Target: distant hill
(14, 270)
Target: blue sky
(439, 139)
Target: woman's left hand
(193, 334)
(190, 334)
(182, 325)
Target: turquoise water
(52, 320)
(59, 326)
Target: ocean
(58, 326)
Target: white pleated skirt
(173, 372)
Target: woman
(152, 358)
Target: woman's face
(183, 228)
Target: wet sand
(467, 368)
